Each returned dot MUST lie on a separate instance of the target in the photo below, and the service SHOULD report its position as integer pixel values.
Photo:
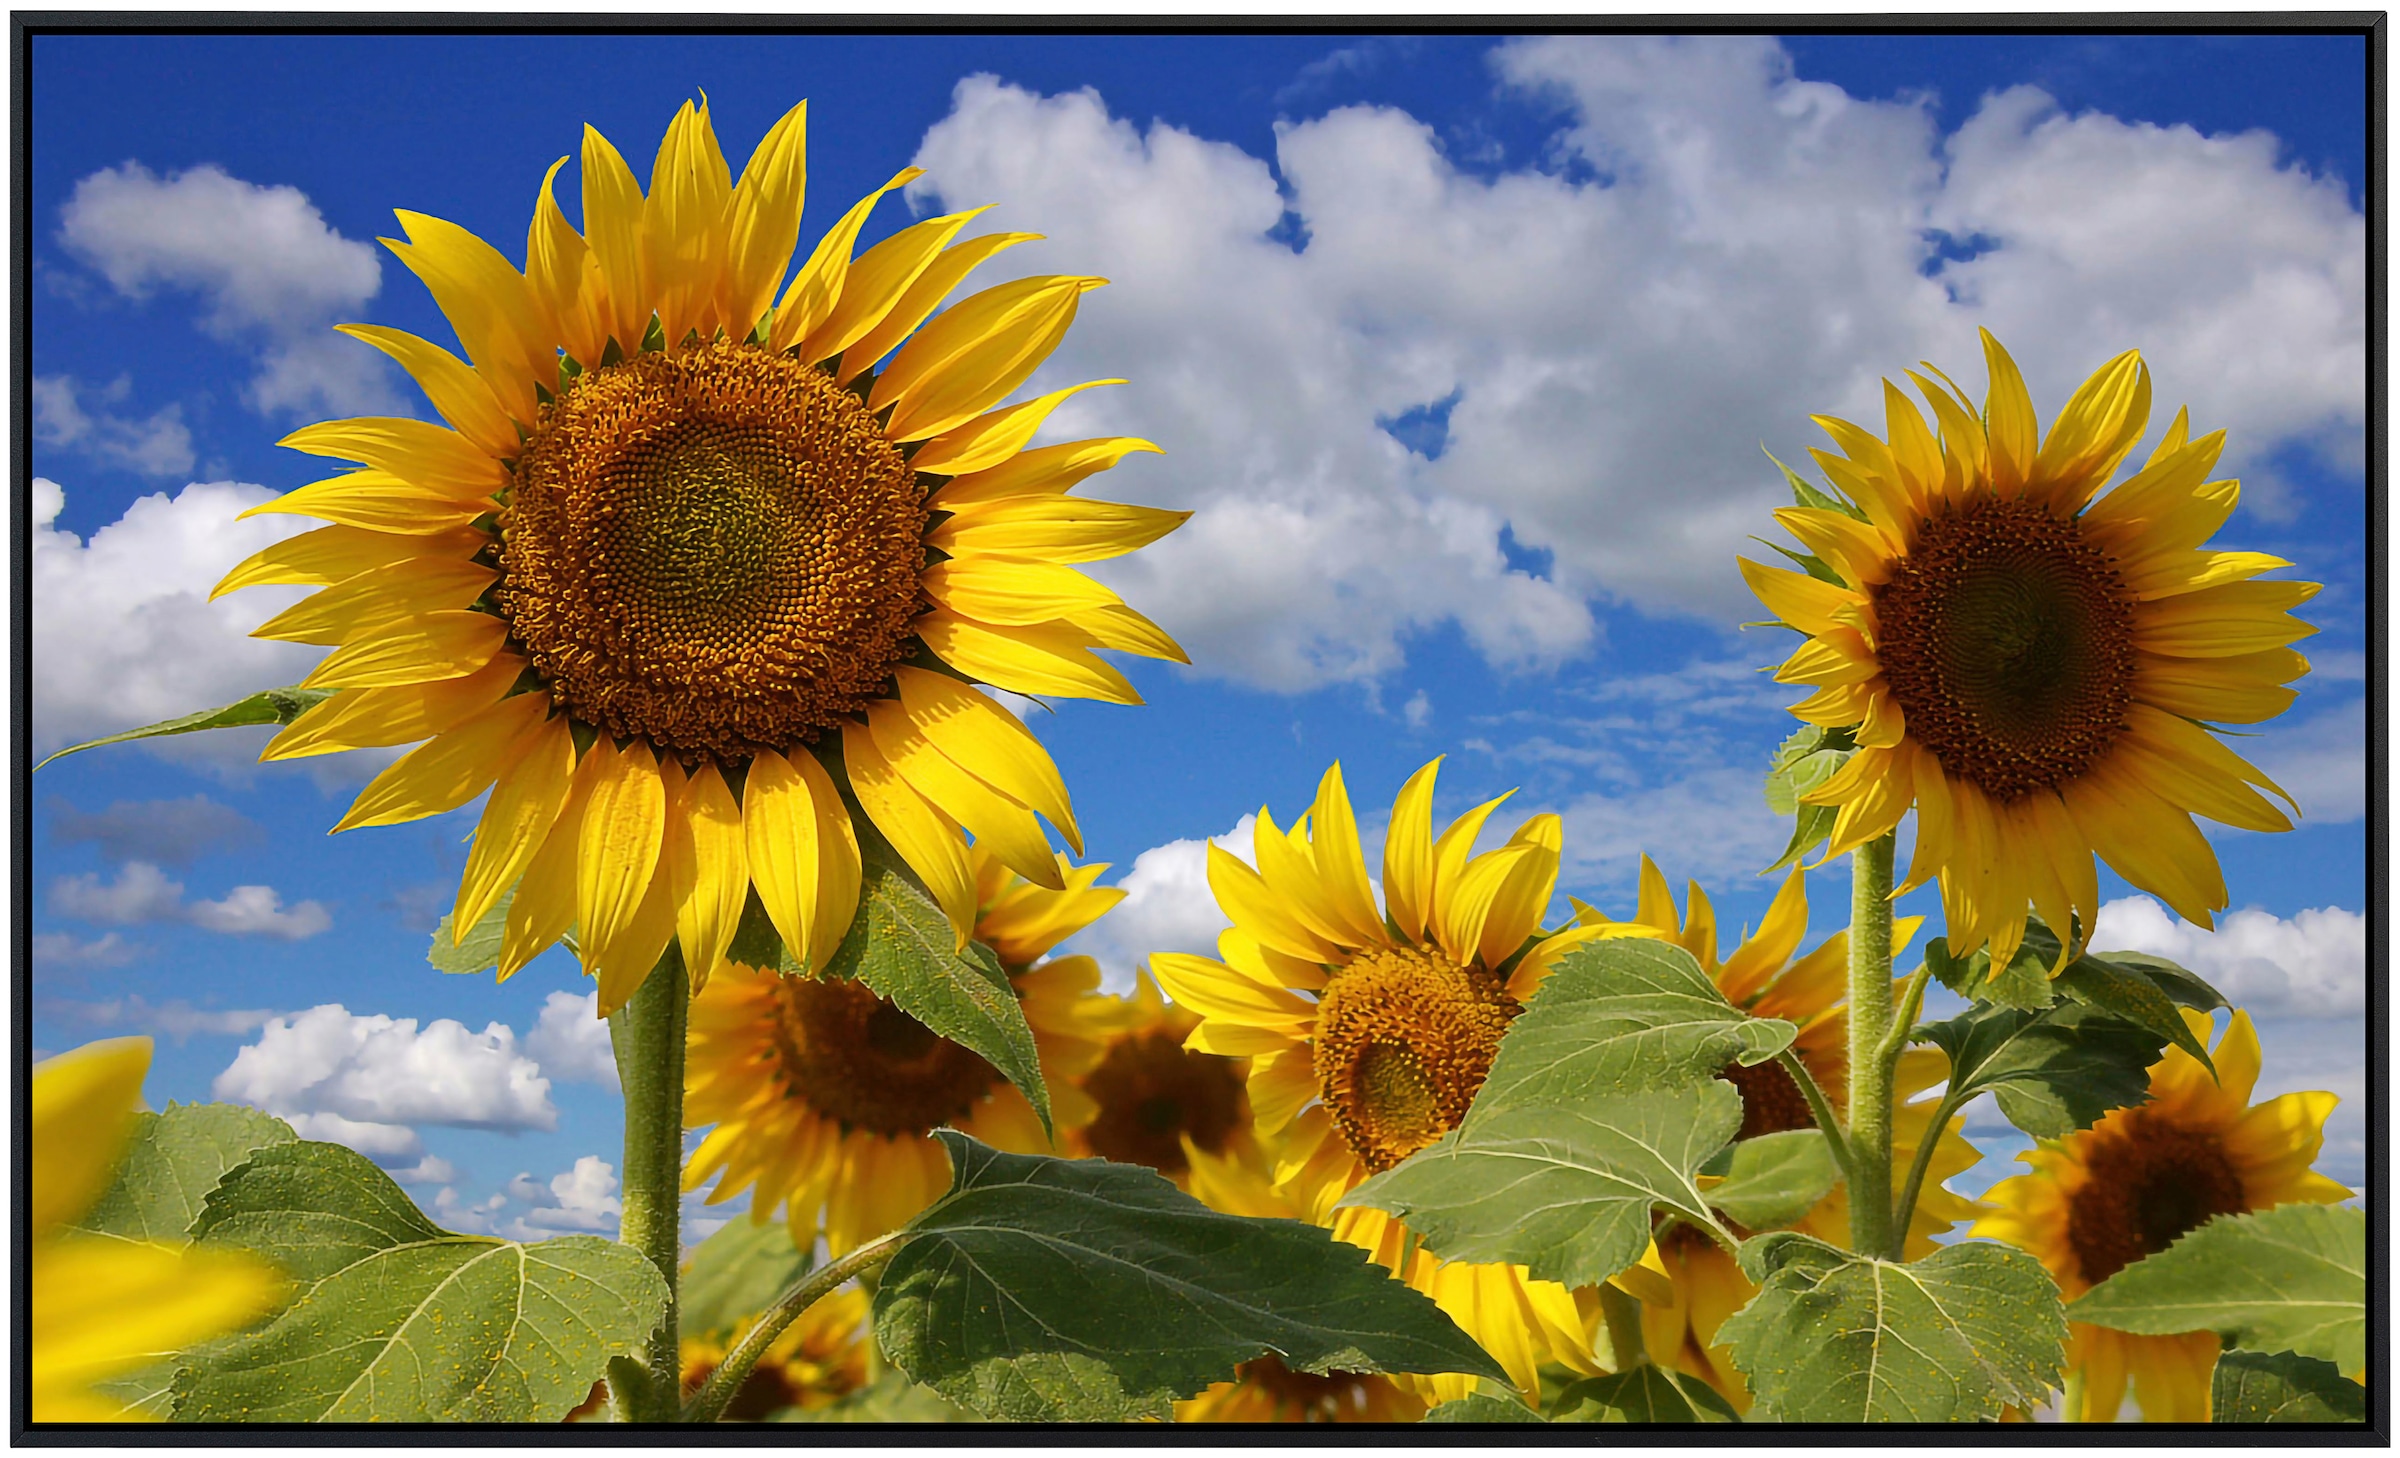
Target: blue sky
(1463, 349)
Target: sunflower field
(697, 585)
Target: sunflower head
(2030, 663)
(818, 1360)
(1159, 1103)
(701, 565)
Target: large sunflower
(683, 560)
(1369, 1031)
(2033, 669)
(1703, 1286)
(825, 1096)
(2105, 1197)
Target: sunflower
(820, 1359)
(1159, 1103)
(1369, 1031)
(1264, 1390)
(825, 1096)
(102, 1306)
(685, 577)
(2104, 1197)
(1703, 1286)
(2033, 669)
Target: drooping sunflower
(819, 1359)
(1159, 1103)
(1369, 1031)
(2129, 1186)
(2034, 669)
(103, 1306)
(689, 564)
(825, 1096)
(1703, 1286)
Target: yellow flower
(102, 1306)
(825, 1096)
(2104, 1197)
(819, 1359)
(2029, 667)
(1159, 1103)
(1703, 1286)
(1266, 1391)
(1369, 1031)
(682, 561)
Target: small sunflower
(1369, 1031)
(683, 560)
(1703, 1286)
(2033, 669)
(1159, 1103)
(819, 1359)
(825, 1096)
(2105, 1197)
(103, 1307)
(1264, 1390)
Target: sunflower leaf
(2131, 994)
(1837, 1338)
(1806, 495)
(2293, 1278)
(267, 706)
(2283, 1387)
(1806, 760)
(737, 1273)
(1621, 1016)
(1057, 1290)
(2052, 1072)
(1565, 1189)
(172, 1160)
(394, 1318)
(480, 950)
(902, 947)
(1484, 1407)
(2180, 983)
(1772, 1179)
(2023, 983)
(1647, 1394)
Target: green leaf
(737, 1273)
(756, 943)
(1621, 1016)
(480, 952)
(1565, 1189)
(1055, 1290)
(1483, 1407)
(2053, 1072)
(1772, 1179)
(267, 706)
(901, 946)
(147, 1390)
(2180, 983)
(172, 1160)
(1807, 495)
(2023, 983)
(1808, 562)
(1837, 1338)
(2129, 993)
(2293, 1278)
(396, 1319)
(1803, 762)
(1647, 1394)
(2283, 1387)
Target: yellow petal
(1048, 471)
(1408, 853)
(989, 439)
(487, 303)
(1863, 555)
(544, 906)
(1797, 598)
(1523, 893)
(1048, 658)
(2148, 841)
(1251, 905)
(800, 842)
(82, 1100)
(919, 300)
(2008, 420)
(765, 222)
(878, 278)
(525, 803)
(618, 842)
(838, 864)
(557, 265)
(2192, 768)
(683, 224)
(333, 554)
(377, 599)
(2242, 689)
(376, 717)
(612, 226)
(1450, 854)
(2092, 433)
(924, 837)
(1341, 864)
(415, 650)
(101, 1308)
(810, 300)
(451, 384)
(1000, 823)
(989, 743)
(378, 501)
(2184, 572)
(1013, 591)
(708, 866)
(448, 770)
(1127, 631)
(2220, 622)
(1461, 921)
(1052, 528)
(625, 961)
(974, 353)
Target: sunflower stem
(708, 1404)
(1870, 1018)
(647, 1035)
(1906, 1210)
(1827, 1123)
(1622, 1315)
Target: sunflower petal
(1341, 864)
(416, 650)
(524, 805)
(2008, 420)
(989, 743)
(2242, 689)
(330, 554)
(544, 906)
(377, 599)
(612, 226)
(810, 300)
(1041, 658)
(377, 501)
(989, 439)
(1000, 823)
(924, 837)
(2099, 423)
(372, 718)
(921, 298)
(780, 833)
(708, 865)
(839, 868)
(878, 278)
(558, 266)
(487, 304)
(1048, 471)
(974, 353)
(683, 224)
(764, 224)
(450, 383)
(1013, 591)
(617, 843)
(448, 770)
(2222, 621)
(1797, 598)
(1052, 528)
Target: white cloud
(431, 1170)
(1417, 710)
(2312, 964)
(2322, 760)
(143, 893)
(381, 1142)
(258, 911)
(454, 1213)
(1167, 907)
(159, 444)
(583, 1199)
(347, 1070)
(176, 1019)
(1718, 250)
(172, 831)
(53, 950)
(272, 274)
(571, 1040)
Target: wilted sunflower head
(699, 565)
(2028, 662)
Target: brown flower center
(2150, 1182)
(1151, 1091)
(715, 549)
(1771, 1102)
(1307, 1397)
(1404, 1039)
(855, 1058)
(2007, 639)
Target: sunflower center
(714, 549)
(1152, 1091)
(857, 1059)
(2148, 1185)
(1404, 1039)
(1307, 1397)
(1771, 1102)
(2008, 641)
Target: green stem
(1870, 1017)
(647, 1034)
(1622, 1315)
(1918, 1167)
(709, 1402)
(1827, 1124)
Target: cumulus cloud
(142, 892)
(471, 1217)
(368, 1080)
(123, 631)
(583, 1200)
(176, 1019)
(271, 275)
(70, 417)
(172, 832)
(60, 950)
(258, 911)
(1710, 251)
(2310, 965)
(2322, 760)
(431, 1170)
(570, 1040)
(1167, 907)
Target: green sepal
(479, 951)
(1804, 494)
(267, 706)
(654, 338)
(1803, 762)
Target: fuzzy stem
(1918, 1167)
(709, 1402)
(1827, 1124)
(1870, 1018)
(647, 1034)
